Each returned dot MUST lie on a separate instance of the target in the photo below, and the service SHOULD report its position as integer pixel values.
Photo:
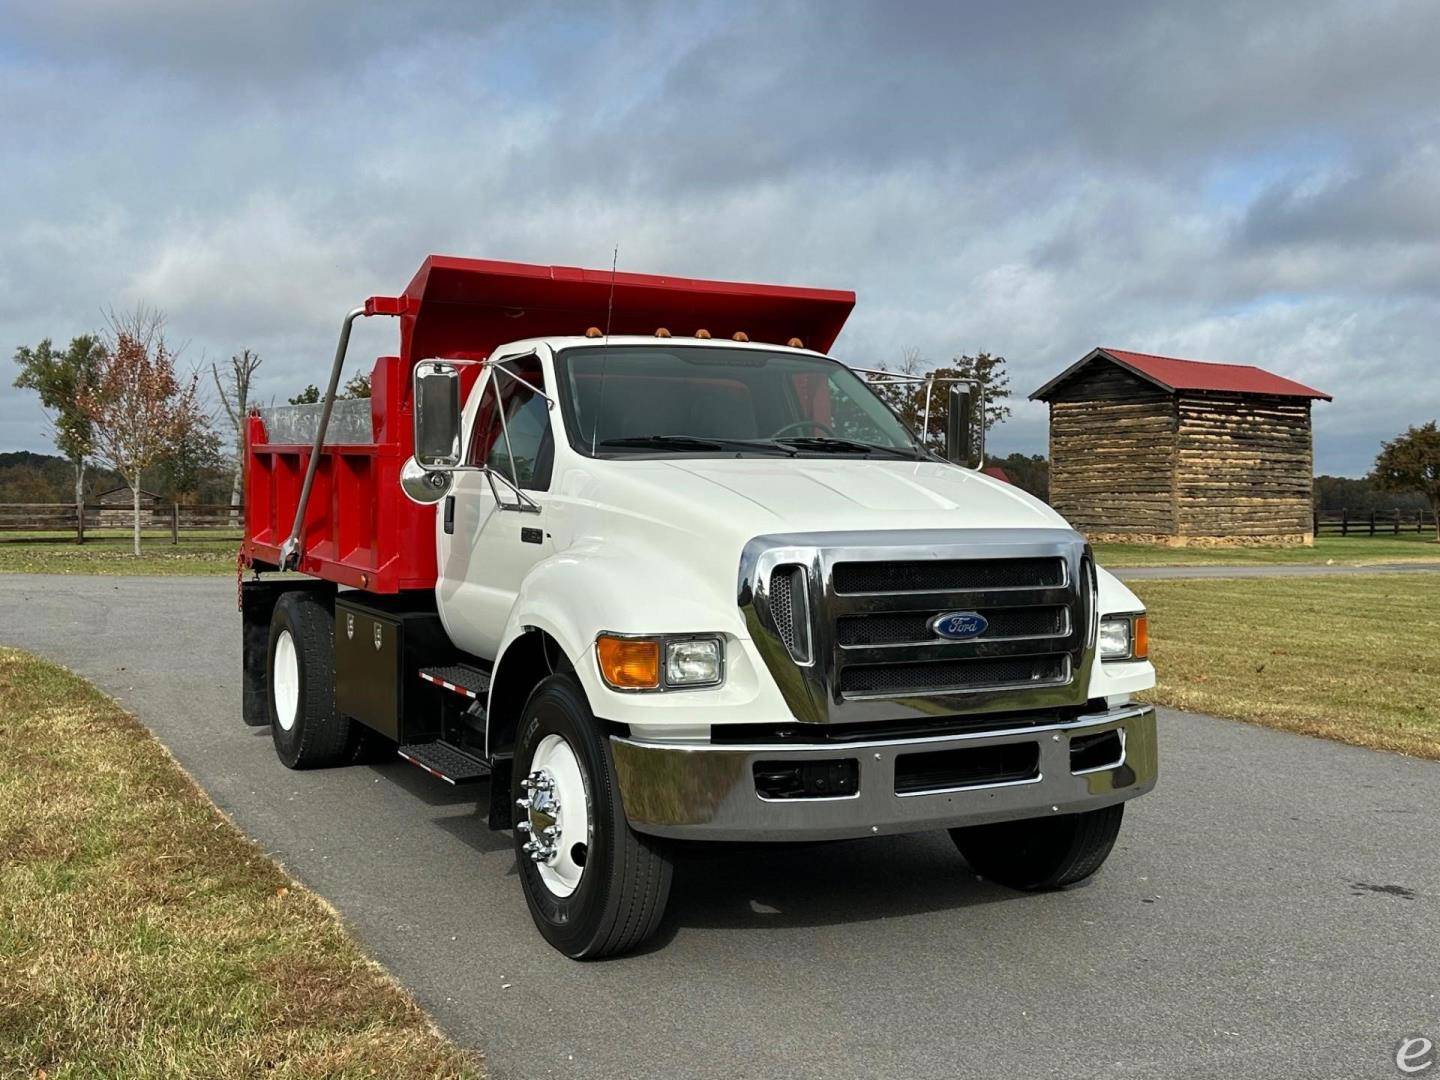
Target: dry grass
(142, 935)
(1339, 550)
(1355, 659)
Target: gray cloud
(1226, 181)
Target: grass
(141, 935)
(1340, 550)
(1353, 658)
(115, 555)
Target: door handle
(450, 515)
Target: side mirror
(965, 426)
(437, 415)
(424, 486)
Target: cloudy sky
(1254, 183)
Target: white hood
(739, 498)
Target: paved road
(1271, 910)
(1139, 573)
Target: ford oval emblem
(960, 625)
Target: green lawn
(1353, 658)
(141, 935)
(1340, 550)
(115, 555)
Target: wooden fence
(1375, 522)
(71, 523)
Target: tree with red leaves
(139, 409)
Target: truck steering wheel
(815, 424)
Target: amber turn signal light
(629, 663)
(1140, 644)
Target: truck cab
(687, 587)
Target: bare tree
(909, 399)
(139, 409)
(235, 397)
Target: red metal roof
(1173, 374)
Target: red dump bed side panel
(359, 528)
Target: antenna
(605, 349)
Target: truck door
(498, 533)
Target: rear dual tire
(300, 684)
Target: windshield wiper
(692, 442)
(826, 444)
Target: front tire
(1037, 854)
(594, 886)
(300, 684)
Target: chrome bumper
(708, 792)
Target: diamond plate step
(459, 678)
(445, 760)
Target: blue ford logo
(959, 625)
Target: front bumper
(708, 792)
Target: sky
(1241, 182)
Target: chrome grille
(913, 627)
(789, 607)
(941, 575)
(865, 604)
(951, 675)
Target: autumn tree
(234, 391)
(57, 378)
(139, 409)
(1411, 462)
(192, 459)
(908, 396)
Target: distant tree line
(122, 411)
(1361, 496)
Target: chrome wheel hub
(556, 822)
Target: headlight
(660, 663)
(1124, 637)
(696, 662)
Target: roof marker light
(703, 334)
(740, 335)
(662, 332)
(593, 331)
(795, 343)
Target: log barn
(1159, 449)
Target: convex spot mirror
(437, 415)
(424, 486)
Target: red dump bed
(359, 528)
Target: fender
(1110, 680)
(584, 591)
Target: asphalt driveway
(1272, 909)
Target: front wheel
(1036, 854)
(594, 886)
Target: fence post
(1315, 523)
(1397, 521)
(1372, 522)
(1344, 522)
(175, 523)
(80, 523)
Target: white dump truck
(635, 554)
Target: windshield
(697, 399)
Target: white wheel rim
(285, 681)
(557, 808)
